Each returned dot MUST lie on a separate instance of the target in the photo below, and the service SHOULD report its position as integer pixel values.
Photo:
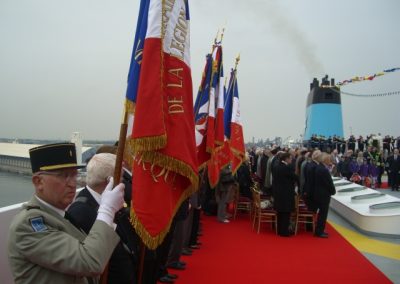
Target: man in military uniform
(43, 246)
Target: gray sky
(64, 64)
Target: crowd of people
(61, 237)
(363, 161)
(388, 142)
(285, 173)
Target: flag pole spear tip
(216, 38)
(215, 42)
(223, 31)
(237, 60)
(222, 34)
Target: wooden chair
(262, 215)
(241, 203)
(304, 215)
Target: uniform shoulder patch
(37, 224)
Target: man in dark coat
(283, 181)
(263, 164)
(271, 163)
(83, 214)
(323, 189)
(253, 159)
(360, 143)
(309, 179)
(244, 179)
(394, 169)
(352, 143)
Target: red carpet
(384, 185)
(234, 253)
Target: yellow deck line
(365, 244)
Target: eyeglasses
(63, 175)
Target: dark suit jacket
(283, 184)
(324, 186)
(394, 165)
(309, 178)
(83, 213)
(127, 180)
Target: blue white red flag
(162, 140)
(220, 156)
(133, 77)
(217, 92)
(204, 110)
(233, 125)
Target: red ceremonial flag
(218, 90)
(204, 110)
(234, 131)
(219, 157)
(162, 140)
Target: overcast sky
(64, 64)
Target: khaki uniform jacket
(43, 247)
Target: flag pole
(117, 171)
(141, 261)
(121, 147)
(117, 176)
(237, 61)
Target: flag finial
(216, 38)
(237, 60)
(222, 34)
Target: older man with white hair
(84, 210)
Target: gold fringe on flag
(149, 143)
(152, 242)
(128, 153)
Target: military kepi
(53, 157)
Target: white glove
(111, 202)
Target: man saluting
(43, 246)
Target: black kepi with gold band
(52, 157)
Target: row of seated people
(313, 183)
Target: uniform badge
(38, 225)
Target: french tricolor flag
(204, 113)
(162, 140)
(233, 125)
(220, 156)
(217, 91)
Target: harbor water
(14, 188)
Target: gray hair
(325, 158)
(99, 168)
(316, 155)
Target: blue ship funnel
(324, 110)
